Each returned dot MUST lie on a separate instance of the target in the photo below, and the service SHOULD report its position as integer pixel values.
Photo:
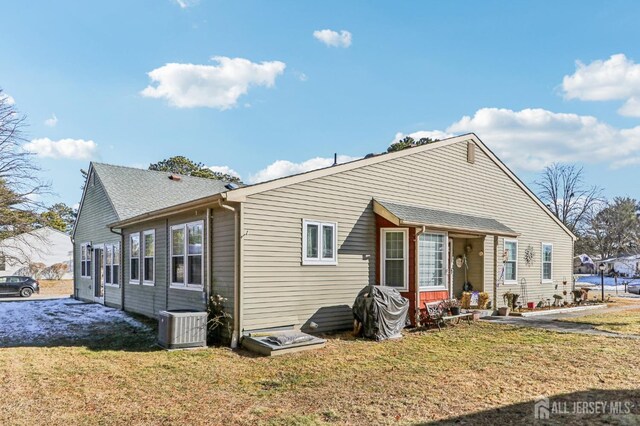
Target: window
(431, 260)
(187, 255)
(3, 263)
(394, 251)
(511, 261)
(134, 259)
(112, 264)
(149, 265)
(115, 275)
(85, 260)
(547, 262)
(108, 261)
(319, 243)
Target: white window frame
(542, 262)
(319, 260)
(132, 281)
(143, 255)
(515, 281)
(383, 256)
(85, 259)
(185, 243)
(115, 261)
(445, 262)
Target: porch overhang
(419, 216)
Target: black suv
(18, 286)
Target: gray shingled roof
(136, 191)
(444, 220)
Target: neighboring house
(44, 245)
(624, 266)
(295, 251)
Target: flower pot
(531, 305)
(476, 315)
(504, 311)
(455, 310)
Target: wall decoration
(529, 255)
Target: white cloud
(75, 149)
(186, 3)
(214, 86)
(531, 139)
(333, 38)
(7, 98)
(224, 170)
(617, 78)
(51, 122)
(281, 168)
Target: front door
(450, 267)
(98, 280)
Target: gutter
(208, 245)
(235, 335)
(168, 211)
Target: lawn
(56, 287)
(480, 373)
(625, 322)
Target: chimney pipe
(335, 158)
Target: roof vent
(175, 177)
(231, 186)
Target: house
(295, 251)
(623, 266)
(44, 245)
(583, 264)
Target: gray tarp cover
(382, 312)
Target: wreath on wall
(529, 255)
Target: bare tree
(563, 190)
(20, 185)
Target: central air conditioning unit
(182, 329)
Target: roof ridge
(156, 171)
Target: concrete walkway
(34, 297)
(551, 323)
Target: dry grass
(56, 287)
(625, 322)
(485, 371)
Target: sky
(262, 89)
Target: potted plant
(504, 311)
(510, 299)
(531, 305)
(454, 307)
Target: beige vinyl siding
(91, 227)
(279, 291)
(143, 298)
(189, 299)
(150, 300)
(223, 256)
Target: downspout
(121, 268)
(495, 272)
(235, 335)
(73, 259)
(417, 289)
(207, 291)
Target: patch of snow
(36, 322)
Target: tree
(615, 230)
(562, 189)
(409, 142)
(20, 186)
(60, 216)
(184, 166)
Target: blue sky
(253, 89)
